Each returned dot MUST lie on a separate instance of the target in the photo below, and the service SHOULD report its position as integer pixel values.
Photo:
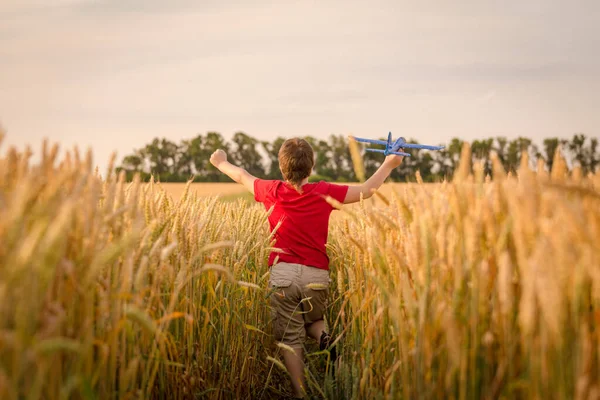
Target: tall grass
(111, 289)
(473, 290)
(468, 289)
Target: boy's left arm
(240, 175)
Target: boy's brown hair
(296, 161)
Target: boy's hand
(367, 189)
(218, 157)
(393, 160)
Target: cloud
(13, 8)
(486, 97)
(477, 72)
(148, 6)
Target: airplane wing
(420, 146)
(399, 153)
(381, 142)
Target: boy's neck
(304, 182)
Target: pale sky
(114, 74)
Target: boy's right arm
(374, 182)
(239, 175)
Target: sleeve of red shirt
(338, 192)
(261, 187)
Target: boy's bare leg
(294, 362)
(315, 329)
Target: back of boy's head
(296, 161)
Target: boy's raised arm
(240, 175)
(374, 182)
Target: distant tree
(272, 150)
(501, 150)
(162, 154)
(173, 162)
(481, 151)
(184, 166)
(513, 155)
(407, 170)
(372, 160)
(245, 154)
(583, 152)
(198, 156)
(323, 161)
(577, 148)
(441, 168)
(550, 147)
(454, 152)
(201, 148)
(134, 164)
(425, 165)
(341, 160)
(593, 156)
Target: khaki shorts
(298, 298)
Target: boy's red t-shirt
(305, 219)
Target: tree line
(178, 162)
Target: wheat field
(204, 189)
(232, 191)
(464, 290)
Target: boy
(302, 268)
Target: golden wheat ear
(357, 161)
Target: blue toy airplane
(393, 147)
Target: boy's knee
(290, 335)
